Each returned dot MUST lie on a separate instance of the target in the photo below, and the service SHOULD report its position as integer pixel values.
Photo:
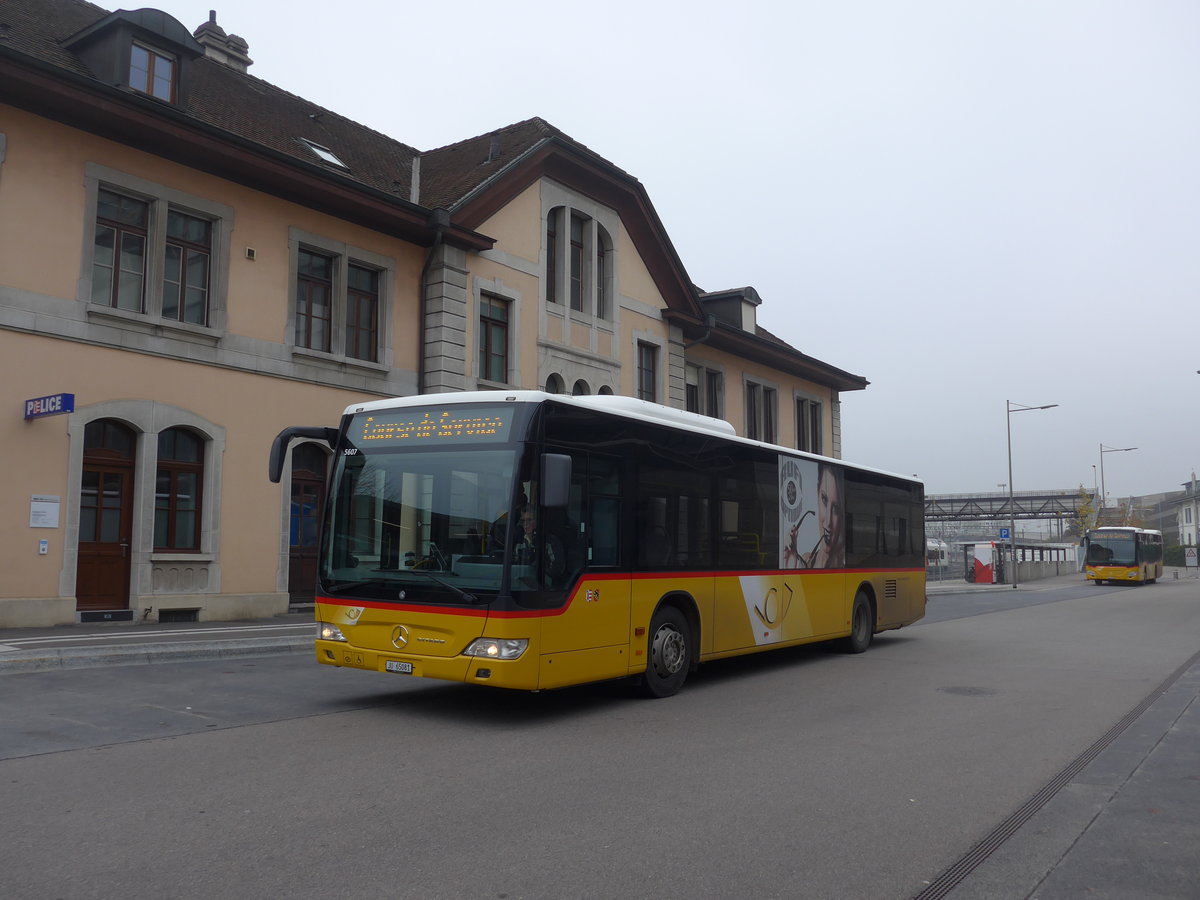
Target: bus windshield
(419, 524)
(1111, 550)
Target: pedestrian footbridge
(1021, 505)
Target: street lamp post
(1103, 450)
(1012, 509)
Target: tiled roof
(35, 27)
(450, 174)
(258, 111)
(224, 98)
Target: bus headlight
(494, 648)
(328, 632)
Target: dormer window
(324, 153)
(144, 51)
(152, 72)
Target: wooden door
(105, 517)
(308, 497)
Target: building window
(703, 388)
(585, 269)
(362, 313)
(577, 263)
(808, 425)
(152, 73)
(603, 284)
(155, 251)
(323, 153)
(555, 384)
(341, 305)
(177, 491)
(493, 339)
(761, 412)
(580, 388)
(186, 268)
(714, 389)
(119, 253)
(314, 301)
(552, 256)
(647, 377)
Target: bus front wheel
(862, 628)
(668, 652)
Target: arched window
(177, 488)
(605, 391)
(555, 385)
(579, 263)
(552, 255)
(580, 388)
(603, 274)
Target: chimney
(228, 49)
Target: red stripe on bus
(605, 576)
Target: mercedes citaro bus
(529, 540)
(1123, 555)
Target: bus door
(597, 612)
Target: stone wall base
(46, 612)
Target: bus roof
(613, 404)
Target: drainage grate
(179, 615)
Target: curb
(145, 654)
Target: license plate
(392, 665)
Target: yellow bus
(1123, 555)
(529, 540)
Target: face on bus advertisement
(811, 516)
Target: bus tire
(668, 653)
(862, 628)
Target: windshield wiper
(462, 595)
(361, 583)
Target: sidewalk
(960, 586)
(126, 644)
(1119, 823)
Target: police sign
(53, 405)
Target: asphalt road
(794, 774)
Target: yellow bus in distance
(1123, 555)
(528, 540)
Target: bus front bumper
(520, 673)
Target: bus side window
(654, 537)
(604, 510)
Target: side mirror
(556, 480)
(279, 446)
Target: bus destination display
(454, 425)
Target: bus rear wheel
(862, 626)
(668, 652)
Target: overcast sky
(965, 201)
